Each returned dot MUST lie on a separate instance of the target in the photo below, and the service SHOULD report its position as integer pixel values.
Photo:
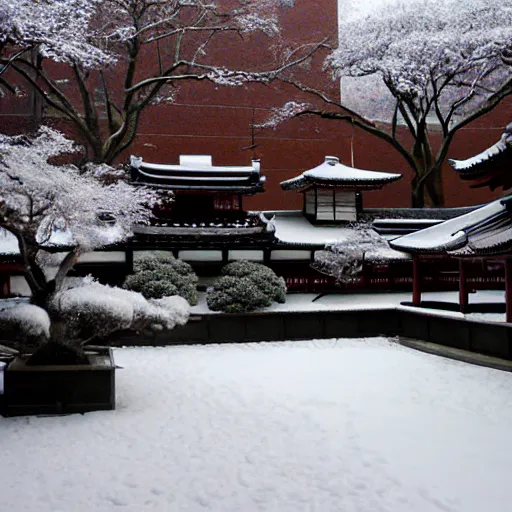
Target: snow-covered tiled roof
(491, 167)
(333, 173)
(196, 172)
(493, 236)
(452, 234)
(295, 229)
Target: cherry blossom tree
(417, 72)
(157, 45)
(61, 207)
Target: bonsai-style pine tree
(50, 207)
(56, 208)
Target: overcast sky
(352, 9)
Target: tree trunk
(434, 194)
(417, 193)
(427, 192)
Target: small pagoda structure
(333, 191)
(490, 168)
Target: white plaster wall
(251, 255)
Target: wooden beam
(463, 289)
(416, 281)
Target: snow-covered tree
(157, 45)
(61, 208)
(343, 259)
(421, 70)
(80, 312)
(51, 207)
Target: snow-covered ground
(316, 426)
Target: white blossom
(422, 50)
(64, 204)
(60, 29)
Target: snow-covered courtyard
(333, 425)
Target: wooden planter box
(59, 389)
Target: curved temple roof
(485, 231)
(332, 173)
(491, 167)
(196, 172)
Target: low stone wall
(493, 339)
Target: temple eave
(303, 185)
(235, 189)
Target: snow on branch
(25, 320)
(281, 114)
(60, 29)
(40, 200)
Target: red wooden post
(463, 289)
(508, 289)
(416, 281)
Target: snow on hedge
(91, 308)
(24, 319)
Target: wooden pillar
(416, 281)
(129, 260)
(266, 256)
(334, 204)
(508, 289)
(225, 256)
(463, 289)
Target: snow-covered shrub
(81, 311)
(94, 310)
(158, 276)
(24, 320)
(264, 277)
(245, 286)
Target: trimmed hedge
(158, 276)
(245, 286)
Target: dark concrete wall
(493, 339)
